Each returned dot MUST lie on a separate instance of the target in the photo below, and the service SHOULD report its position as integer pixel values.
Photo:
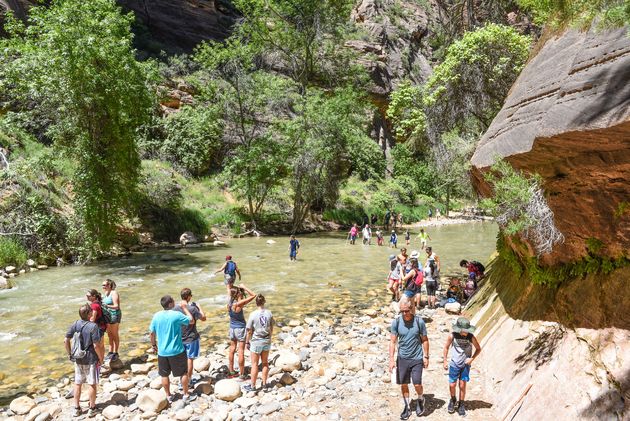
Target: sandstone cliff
(567, 118)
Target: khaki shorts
(86, 374)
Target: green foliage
(609, 13)
(622, 208)
(192, 139)
(75, 62)
(406, 113)
(508, 255)
(11, 253)
(469, 87)
(594, 245)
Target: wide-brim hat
(414, 255)
(392, 257)
(463, 325)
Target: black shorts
(431, 288)
(177, 364)
(409, 371)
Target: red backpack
(419, 277)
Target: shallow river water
(34, 316)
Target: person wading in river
(166, 329)
(461, 340)
(86, 368)
(410, 332)
(230, 270)
(190, 335)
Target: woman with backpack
(413, 282)
(430, 276)
(95, 300)
(113, 316)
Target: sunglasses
(405, 311)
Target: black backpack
(481, 268)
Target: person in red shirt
(94, 298)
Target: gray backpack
(76, 351)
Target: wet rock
(42, 267)
(271, 242)
(171, 257)
(141, 368)
(218, 243)
(453, 308)
(227, 390)
(370, 312)
(116, 364)
(22, 405)
(288, 361)
(113, 412)
(30, 263)
(152, 401)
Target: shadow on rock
(540, 349)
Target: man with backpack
(473, 267)
(84, 348)
(410, 332)
(230, 270)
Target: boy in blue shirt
(393, 240)
(294, 245)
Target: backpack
(416, 322)
(481, 268)
(76, 351)
(230, 268)
(419, 277)
(106, 316)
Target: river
(330, 273)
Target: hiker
(394, 219)
(367, 235)
(388, 216)
(165, 328)
(393, 240)
(431, 282)
(237, 332)
(230, 270)
(87, 353)
(354, 231)
(407, 237)
(379, 237)
(259, 331)
(402, 257)
(430, 213)
(294, 246)
(190, 335)
(432, 256)
(461, 342)
(473, 266)
(410, 332)
(438, 213)
(423, 236)
(111, 306)
(400, 219)
(95, 301)
(394, 277)
(412, 282)
(470, 286)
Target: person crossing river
(230, 269)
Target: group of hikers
(176, 340)
(366, 234)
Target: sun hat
(414, 254)
(392, 257)
(463, 325)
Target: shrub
(11, 252)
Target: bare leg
(115, 338)
(185, 379)
(452, 387)
(92, 395)
(110, 337)
(166, 384)
(418, 388)
(405, 392)
(254, 368)
(231, 352)
(462, 390)
(241, 357)
(77, 395)
(265, 366)
(190, 367)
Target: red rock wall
(567, 118)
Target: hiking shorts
(293, 253)
(192, 349)
(409, 370)
(458, 373)
(86, 374)
(431, 288)
(237, 334)
(259, 347)
(177, 364)
(229, 279)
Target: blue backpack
(230, 268)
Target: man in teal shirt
(166, 327)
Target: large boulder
(227, 390)
(567, 118)
(288, 361)
(22, 405)
(113, 412)
(152, 400)
(5, 283)
(188, 238)
(453, 308)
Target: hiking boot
(232, 374)
(451, 405)
(76, 412)
(420, 406)
(92, 412)
(406, 413)
(249, 388)
(170, 399)
(461, 410)
(243, 377)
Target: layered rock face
(567, 118)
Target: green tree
(611, 13)
(75, 62)
(253, 102)
(406, 113)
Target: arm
(392, 350)
(93, 316)
(66, 343)
(202, 316)
(240, 304)
(447, 345)
(477, 351)
(221, 269)
(184, 306)
(249, 337)
(425, 348)
(116, 301)
(153, 341)
(239, 273)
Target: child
(294, 245)
(393, 240)
(407, 236)
(393, 279)
(379, 237)
(354, 231)
(471, 285)
(462, 341)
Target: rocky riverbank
(333, 366)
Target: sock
(453, 398)
(420, 396)
(405, 403)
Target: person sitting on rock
(461, 341)
(237, 331)
(410, 333)
(470, 287)
(190, 335)
(473, 266)
(86, 367)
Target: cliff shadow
(612, 404)
(540, 349)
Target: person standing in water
(294, 246)
(407, 236)
(367, 235)
(379, 237)
(354, 231)
(259, 331)
(111, 306)
(410, 333)
(237, 333)
(230, 270)
(393, 240)
(461, 341)
(423, 236)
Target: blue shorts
(192, 349)
(258, 348)
(455, 373)
(293, 253)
